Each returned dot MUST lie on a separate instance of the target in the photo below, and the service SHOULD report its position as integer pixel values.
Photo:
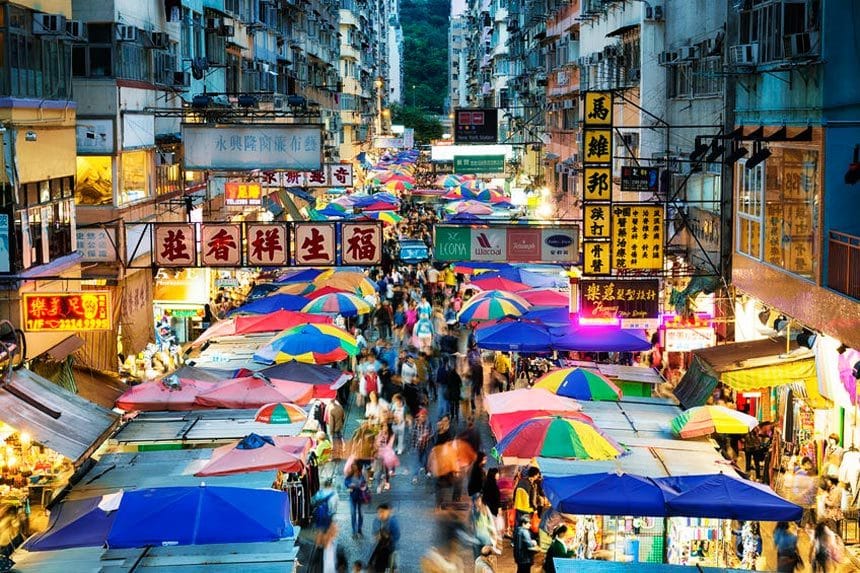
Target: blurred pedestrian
(486, 562)
(326, 555)
(787, 557)
(828, 551)
(386, 532)
(492, 497)
(421, 441)
(477, 475)
(524, 546)
(356, 485)
(557, 548)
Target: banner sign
(67, 311)
(611, 298)
(96, 244)
(479, 164)
(242, 193)
(637, 236)
(687, 339)
(507, 243)
(331, 175)
(175, 245)
(221, 245)
(315, 244)
(361, 244)
(476, 125)
(5, 258)
(249, 147)
(641, 179)
(597, 183)
(267, 244)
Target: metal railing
(843, 264)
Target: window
(750, 208)
(707, 76)
(94, 180)
(95, 59)
(570, 118)
(33, 66)
(769, 23)
(132, 62)
(778, 209)
(136, 168)
(680, 84)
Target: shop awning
(60, 351)
(748, 366)
(54, 417)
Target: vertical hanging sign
(597, 184)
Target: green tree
(425, 53)
(427, 126)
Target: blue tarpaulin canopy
(599, 339)
(606, 494)
(197, 515)
(725, 497)
(554, 316)
(526, 277)
(513, 335)
(272, 303)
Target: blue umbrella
(300, 275)
(463, 218)
(272, 303)
(79, 523)
(514, 335)
(588, 494)
(519, 275)
(555, 317)
(724, 497)
(262, 289)
(598, 339)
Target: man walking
(386, 531)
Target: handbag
(364, 496)
(534, 526)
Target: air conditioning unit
(214, 23)
(665, 58)
(744, 54)
(160, 40)
(182, 79)
(76, 30)
(49, 24)
(687, 53)
(227, 31)
(125, 33)
(800, 45)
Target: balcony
(843, 264)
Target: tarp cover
(587, 494)
(80, 523)
(200, 515)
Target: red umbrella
(499, 283)
(545, 297)
(252, 453)
(173, 394)
(502, 424)
(377, 206)
(322, 291)
(255, 392)
(272, 322)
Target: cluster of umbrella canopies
(325, 293)
(469, 199)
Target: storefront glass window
(750, 199)
(135, 176)
(94, 182)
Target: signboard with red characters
(315, 244)
(221, 245)
(361, 243)
(267, 244)
(67, 311)
(175, 245)
(242, 193)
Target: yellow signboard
(598, 108)
(597, 146)
(597, 184)
(638, 236)
(596, 258)
(596, 220)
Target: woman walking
(359, 495)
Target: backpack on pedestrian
(321, 514)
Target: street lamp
(379, 83)
(413, 95)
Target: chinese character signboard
(361, 243)
(67, 311)
(251, 147)
(610, 299)
(221, 245)
(596, 221)
(175, 245)
(267, 244)
(637, 236)
(687, 339)
(316, 178)
(642, 179)
(97, 245)
(598, 108)
(339, 174)
(476, 126)
(596, 258)
(597, 183)
(507, 243)
(242, 193)
(315, 244)
(479, 164)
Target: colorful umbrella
(579, 384)
(451, 457)
(272, 303)
(342, 303)
(312, 343)
(545, 297)
(324, 290)
(271, 322)
(280, 413)
(531, 278)
(399, 185)
(449, 180)
(347, 281)
(300, 289)
(469, 207)
(558, 437)
(490, 308)
(389, 217)
(499, 283)
(499, 294)
(254, 392)
(599, 339)
(324, 379)
(252, 453)
(299, 275)
(172, 394)
(705, 420)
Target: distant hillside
(425, 52)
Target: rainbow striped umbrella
(706, 420)
(579, 384)
(490, 308)
(399, 185)
(389, 217)
(497, 293)
(280, 413)
(558, 437)
(310, 343)
(347, 281)
(342, 303)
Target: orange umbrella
(451, 457)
